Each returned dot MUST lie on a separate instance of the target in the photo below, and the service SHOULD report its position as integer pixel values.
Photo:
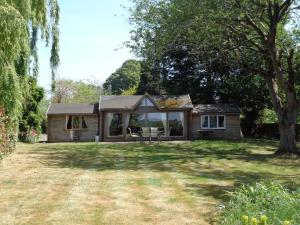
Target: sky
(92, 33)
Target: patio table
(150, 132)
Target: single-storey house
(137, 117)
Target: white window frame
(208, 127)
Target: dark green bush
(264, 199)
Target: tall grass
(265, 202)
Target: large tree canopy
(224, 38)
(124, 78)
(169, 34)
(69, 91)
(21, 23)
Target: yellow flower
(263, 220)
(286, 222)
(254, 221)
(245, 220)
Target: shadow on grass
(196, 160)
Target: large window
(213, 122)
(138, 120)
(76, 123)
(135, 122)
(158, 120)
(167, 123)
(114, 124)
(176, 121)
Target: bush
(29, 137)
(266, 202)
(7, 137)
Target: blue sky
(90, 33)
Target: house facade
(129, 118)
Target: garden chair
(146, 133)
(166, 135)
(135, 135)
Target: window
(135, 121)
(114, 124)
(83, 123)
(221, 121)
(69, 123)
(176, 121)
(76, 123)
(158, 120)
(213, 122)
(204, 121)
(146, 102)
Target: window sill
(77, 129)
(208, 129)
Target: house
(124, 118)
(222, 120)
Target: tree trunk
(287, 119)
(287, 144)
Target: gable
(146, 102)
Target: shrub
(265, 202)
(7, 139)
(31, 136)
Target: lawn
(166, 183)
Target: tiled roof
(66, 108)
(119, 102)
(130, 102)
(216, 108)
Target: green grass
(159, 183)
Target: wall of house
(57, 131)
(104, 126)
(232, 130)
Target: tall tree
(267, 29)
(21, 22)
(149, 82)
(126, 77)
(259, 37)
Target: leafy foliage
(3, 133)
(126, 77)
(266, 198)
(251, 93)
(201, 43)
(69, 91)
(149, 83)
(189, 60)
(20, 23)
(32, 116)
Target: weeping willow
(22, 22)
